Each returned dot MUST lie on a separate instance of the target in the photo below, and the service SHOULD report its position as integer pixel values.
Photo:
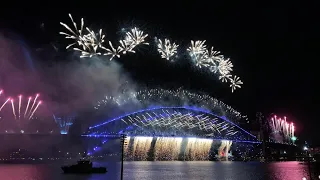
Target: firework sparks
(197, 47)
(169, 148)
(34, 102)
(214, 61)
(25, 112)
(28, 112)
(91, 43)
(235, 83)
(225, 66)
(13, 110)
(113, 52)
(19, 105)
(35, 109)
(135, 37)
(282, 131)
(76, 35)
(4, 103)
(179, 97)
(167, 49)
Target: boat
(83, 167)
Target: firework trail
(281, 129)
(91, 44)
(4, 103)
(20, 108)
(19, 105)
(34, 102)
(35, 109)
(25, 112)
(13, 110)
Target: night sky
(273, 50)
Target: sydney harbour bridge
(161, 133)
(175, 133)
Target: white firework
(235, 83)
(214, 61)
(91, 44)
(113, 52)
(75, 35)
(167, 49)
(87, 43)
(197, 47)
(126, 47)
(213, 56)
(225, 66)
(178, 97)
(225, 77)
(135, 37)
(132, 39)
(198, 53)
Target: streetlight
(305, 148)
(123, 143)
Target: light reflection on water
(165, 171)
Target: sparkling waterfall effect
(198, 149)
(224, 149)
(141, 147)
(167, 148)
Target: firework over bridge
(173, 121)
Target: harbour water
(175, 170)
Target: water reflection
(166, 171)
(287, 170)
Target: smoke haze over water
(66, 85)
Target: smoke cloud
(67, 85)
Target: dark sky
(273, 49)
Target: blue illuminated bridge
(173, 121)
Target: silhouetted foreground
(83, 167)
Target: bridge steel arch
(173, 121)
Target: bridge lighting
(183, 118)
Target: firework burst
(281, 130)
(179, 97)
(215, 62)
(91, 43)
(167, 49)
